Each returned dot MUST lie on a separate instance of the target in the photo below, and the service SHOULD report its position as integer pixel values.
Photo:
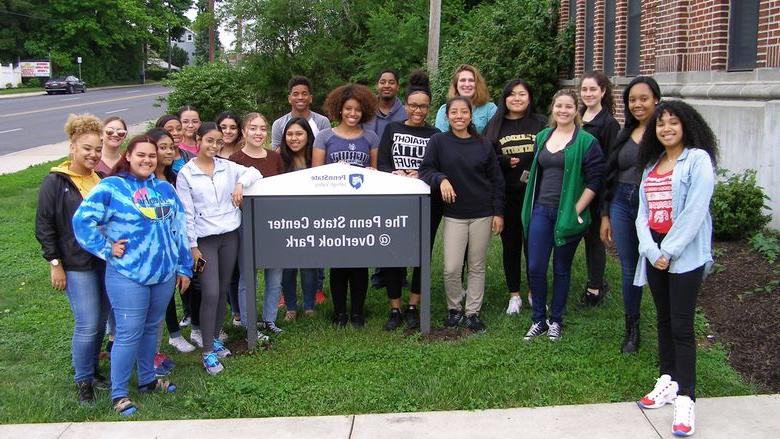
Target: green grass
(13, 91)
(313, 369)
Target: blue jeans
(89, 304)
(541, 242)
(271, 294)
(139, 310)
(309, 279)
(622, 215)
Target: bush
(507, 39)
(156, 73)
(212, 89)
(738, 205)
(32, 82)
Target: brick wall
(769, 34)
(676, 35)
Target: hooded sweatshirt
(148, 214)
(84, 183)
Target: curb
(108, 87)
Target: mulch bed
(745, 320)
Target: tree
(19, 21)
(179, 56)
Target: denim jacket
(688, 245)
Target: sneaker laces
(661, 385)
(683, 413)
(554, 329)
(218, 346)
(536, 329)
(211, 360)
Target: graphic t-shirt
(516, 140)
(355, 151)
(658, 190)
(403, 146)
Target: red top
(658, 190)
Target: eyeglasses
(118, 133)
(415, 107)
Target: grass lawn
(313, 369)
(18, 90)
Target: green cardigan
(583, 168)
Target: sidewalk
(743, 417)
(20, 160)
(108, 87)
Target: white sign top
(337, 179)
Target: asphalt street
(27, 122)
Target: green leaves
(212, 89)
(737, 205)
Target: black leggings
(674, 295)
(595, 253)
(512, 240)
(394, 276)
(191, 301)
(356, 279)
(171, 319)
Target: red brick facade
(676, 35)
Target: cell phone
(524, 177)
(200, 265)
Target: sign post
(335, 216)
(78, 60)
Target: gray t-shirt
(317, 122)
(552, 166)
(627, 159)
(355, 151)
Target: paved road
(26, 122)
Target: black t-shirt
(516, 139)
(403, 146)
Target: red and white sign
(36, 69)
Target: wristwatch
(55, 262)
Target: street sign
(335, 216)
(78, 59)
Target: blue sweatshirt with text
(147, 213)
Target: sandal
(158, 386)
(289, 316)
(125, 407)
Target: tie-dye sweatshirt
(147, 213)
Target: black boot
(631, 340)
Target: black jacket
(58, 200)
(605, 129)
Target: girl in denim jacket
(674, 228)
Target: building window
(634, 37)
(589, 25)
(189, 37)
(743, 34)
(572, 11)
(609, 37)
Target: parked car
(68, 84)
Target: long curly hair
(696, 133)
(607, 101)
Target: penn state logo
(352, 146)
(356, 180)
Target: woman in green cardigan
(564, 178)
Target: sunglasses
(112, 132)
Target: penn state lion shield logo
(356, 180)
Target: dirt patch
(742, 303)
(443, 334)
(239, 346)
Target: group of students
(167, 212)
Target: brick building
(722, 56)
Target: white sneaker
(262, 338)
(684, 416)
(222, 335)
(515, 305)
(196, 338)
(664, 392)
(181, 344)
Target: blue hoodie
(147, 213)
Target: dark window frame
(634, 38)
(590, 29)
(610, 17)
(743, 35)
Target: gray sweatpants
(220, 253)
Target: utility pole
(169, 49)
(434, 25)
(211, 31)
